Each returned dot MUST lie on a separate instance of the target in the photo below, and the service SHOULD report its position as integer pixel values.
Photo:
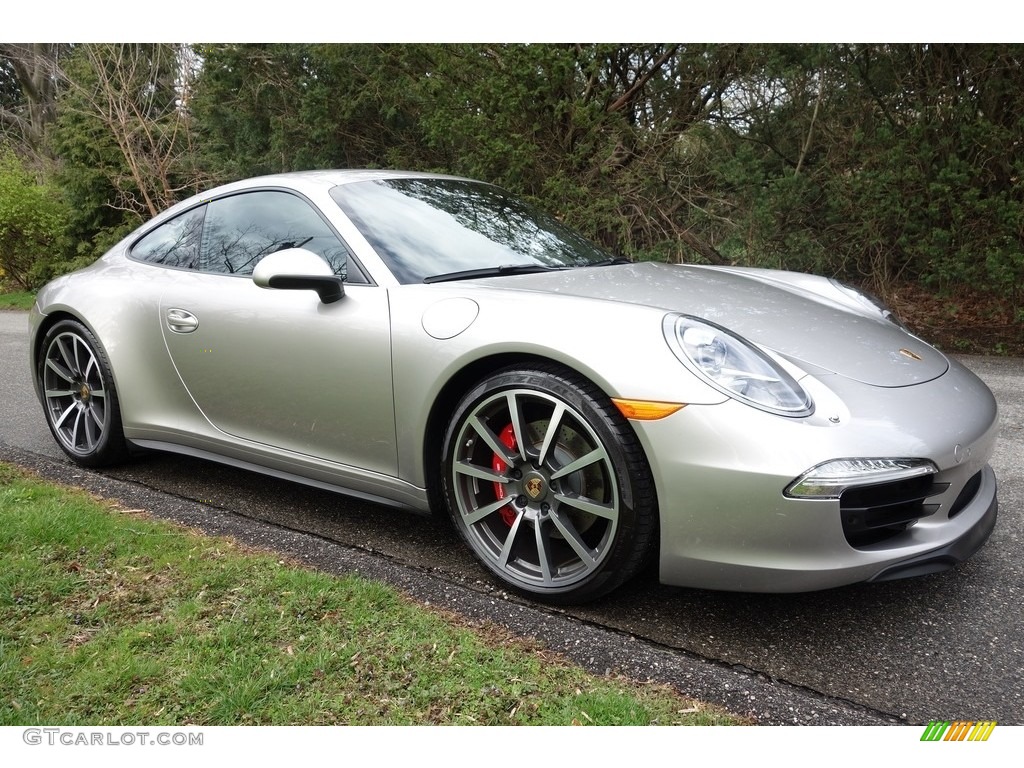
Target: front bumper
(720, 472)
(956, 551)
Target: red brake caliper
(508, 512)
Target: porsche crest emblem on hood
(912, 355)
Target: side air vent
(966, 496)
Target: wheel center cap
(535, 486)
(84, 392)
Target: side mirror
(296, 269)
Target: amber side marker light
(646, 410)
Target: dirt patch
(967, 322)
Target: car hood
(787, 317)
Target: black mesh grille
(874, 513)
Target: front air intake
(873, 513)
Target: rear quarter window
(175, 243)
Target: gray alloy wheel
(548, 485)
(79, 399)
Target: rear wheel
(79, 398)
(548, 485)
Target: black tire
(79, 398)
(548, 485)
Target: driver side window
(242, 229)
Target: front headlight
(735, 366)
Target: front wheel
(548, 485)
(79, 398)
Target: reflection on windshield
(424, 227)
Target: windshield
(427, 227)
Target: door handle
(181, 321)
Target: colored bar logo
(958, 730)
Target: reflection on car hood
(797, 323)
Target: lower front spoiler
(946, 557)
(811, 553)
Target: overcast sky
(513, 21)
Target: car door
(278, 367)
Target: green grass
(17, 300)
(110, 617)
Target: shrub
(32, 221)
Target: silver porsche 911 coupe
(433, 343)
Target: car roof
(301, 181)
(332, 177)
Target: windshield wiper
(611, 262)
(504, 269)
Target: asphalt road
(946, 646)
